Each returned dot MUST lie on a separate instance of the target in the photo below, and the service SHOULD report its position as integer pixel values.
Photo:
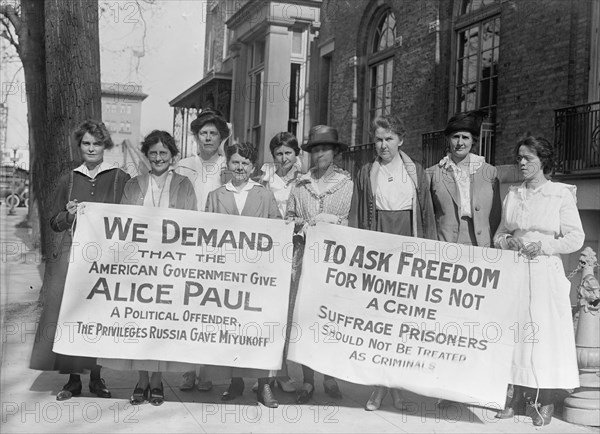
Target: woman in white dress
(540, 218)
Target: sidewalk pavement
(28, 398)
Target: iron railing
(577, 139)
(354, 158)
(435, 145)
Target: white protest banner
(431, 317)
(168, 284)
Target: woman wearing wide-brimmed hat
(321, 195)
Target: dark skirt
(42, 356)
(394, 222)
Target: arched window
(381, 65)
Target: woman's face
(160, 158)
(240, 167)
(92, 150)
(285, 157)
(209, 140)
(322, 156)
(529, 163)
(387, 144)
(461, 143)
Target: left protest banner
(176, 285)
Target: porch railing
(577, 139)
(182, 119)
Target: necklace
(162, 189)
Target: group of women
(457, 200)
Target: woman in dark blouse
(93, 181)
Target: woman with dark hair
(321, 195)
(210, 131)
(93, 181)
(160, 188)
(391, 195)
(464, 188)
(243, 196)
(540, 218)
(279, 177)
(205, 170)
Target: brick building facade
(530, 65)
(541, 61)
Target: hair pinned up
(210, 116)
(542, 147)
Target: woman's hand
(514, 243)
(72, 207)
(326, 218)
(532, 250)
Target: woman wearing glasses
(161, 188)
(540, 218)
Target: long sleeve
(61, 220)
(357, 207)
(571, 236)
(211, 202)
(346, 202)
(496, 211)
(273, 208)
(130, 191)
(426, 204)
(502, 232)
(187, 189)
(292, 212)
(122, 180)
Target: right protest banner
(435, 318)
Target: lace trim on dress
(548, 189)
(308, 179)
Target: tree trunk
(73, 88)
(73, 95)
(32, 54)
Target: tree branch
(7, 33)
(10, 12)
(145, 30)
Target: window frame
(461, 23)
(373, 59)
(256, 70)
